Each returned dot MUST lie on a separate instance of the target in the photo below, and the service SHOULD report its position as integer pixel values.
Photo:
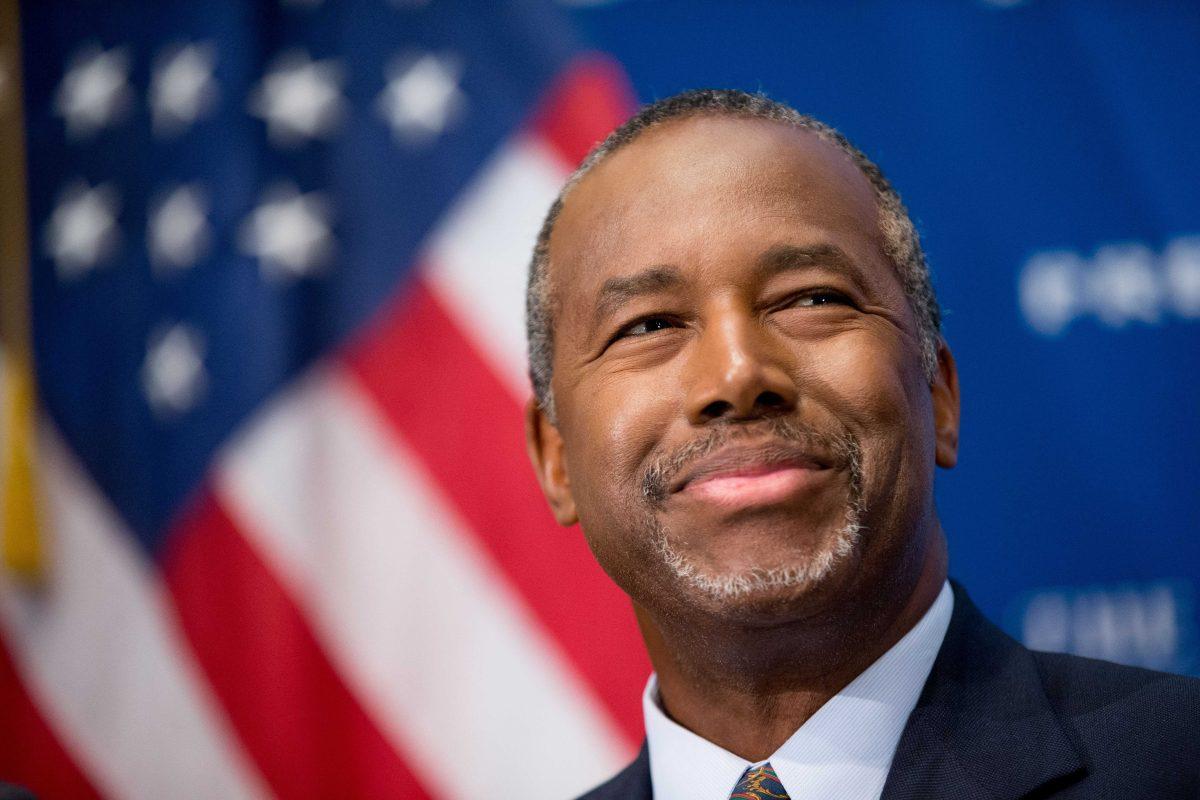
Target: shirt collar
(844, 750)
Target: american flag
(270, 527)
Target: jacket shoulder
(1126, 716)
(631, 783)
(1084, 686)
(9, 791)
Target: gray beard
(805, 570)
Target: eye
(644, 326)
(818, 297)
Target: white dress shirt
(844, 750)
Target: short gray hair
(902, 244)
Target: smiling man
(742, 394)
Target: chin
(755, 590)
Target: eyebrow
(792, 258)
(615, 292)
(779, 259)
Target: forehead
(687, 191)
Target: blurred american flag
(287, 542)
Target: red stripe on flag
(460, 420)
(31, 754)
(299, 723)
(590, 99)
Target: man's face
(744, 424)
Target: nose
(738, 373)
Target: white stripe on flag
(478, 258)
(99, 654)
(432, 640)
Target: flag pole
(20, 543)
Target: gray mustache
(842, 447)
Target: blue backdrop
(1049, 154)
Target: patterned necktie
(759, 783)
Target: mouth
(748, 476)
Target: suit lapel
(983, 726)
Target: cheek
(881, 393)
(862, 371)
(621, 418)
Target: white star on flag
(288, 232)
(422, 97)
(182, 88)
(178, 233)
(173, 374)
(299, 99)
(82, 231)
(94, 92)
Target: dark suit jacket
(996, 720)
(9, 791)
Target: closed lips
(733, 462)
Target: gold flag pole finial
(20, 543)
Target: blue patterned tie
(759, 783)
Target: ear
(945, 407)
(545, 448)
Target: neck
(749, 687)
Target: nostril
(717, 409)
(765, 402)
(770, 400)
